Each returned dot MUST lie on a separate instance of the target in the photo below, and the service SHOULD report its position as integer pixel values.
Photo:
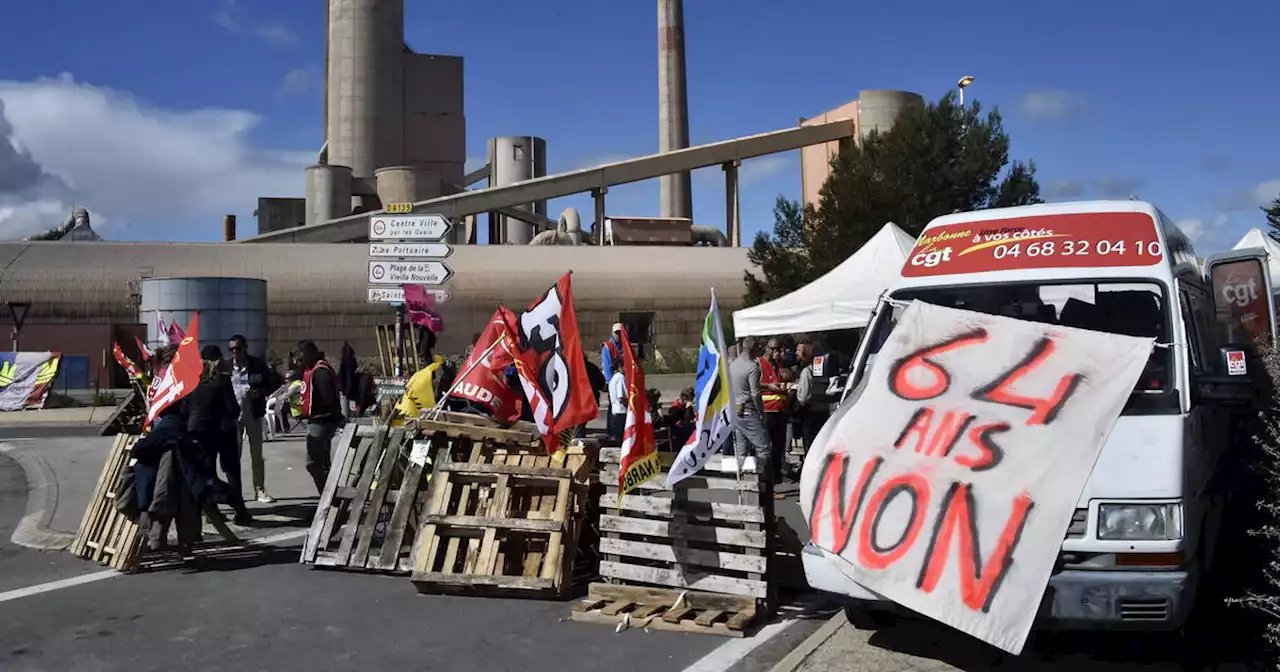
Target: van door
(1244, 308)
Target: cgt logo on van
(932, 258)
(1240, 293)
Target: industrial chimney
(675, 192)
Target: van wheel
(870, 618)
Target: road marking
(110, 573)
(728, 655)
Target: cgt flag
(180, 377)
(712, 396)
(482, 378)
(127, 364)
(548, 356)
(639, 451)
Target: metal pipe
(675, 191)
(228, 228)
(598, 196)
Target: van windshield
(1128, 308)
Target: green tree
(1273, 218)
(936, 160)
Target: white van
(1145, 525)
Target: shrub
(672, 360)
(105, 399)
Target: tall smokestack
(676, 195)
(364, 85)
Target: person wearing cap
(611, 352)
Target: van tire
(870, 618)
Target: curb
(797, 656)
(42, 499)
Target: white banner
(26, 378)
(948, 485)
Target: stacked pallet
(107, 536)
(691, 557)
(503, 517)
(371, 504)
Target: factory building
(395, 133)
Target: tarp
(26, 378)
(841, 299)
(1256, 238)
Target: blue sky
(1172, 101)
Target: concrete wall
(89, 340)
(319, 290)
(815, 160)
(435, 126)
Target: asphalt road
(257, 609)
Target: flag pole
(462, 376)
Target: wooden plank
(705, 581)
(708, 617)
(313, 542)
(91, 512)
(555, 543)
(661, 506)
(680, 529)
(352, 526)
(695, 482)
(611, 592)
(389, 558)
(616, 608)
(720, 464)
(686, 626)
(373, 507)
(522, 524)
(548, 473)
(510, 582)
(684, 556)
(674, 615)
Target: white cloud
(301, 80)
(1198, 230)
(229, 16)
(762, 168)
(1266, 193)
(132, 164)
(1064, 190)
(1050, 105)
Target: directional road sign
(433, 250)
(408, 227)
(409, 272)
(396, 294)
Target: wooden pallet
(503, 517)
(666, 609)
(107, 536)
(709, 534)
(128, 416)
(371, 505)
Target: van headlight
(1140, 522)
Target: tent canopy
(1256, 238)
(841, 299)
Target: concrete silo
(515, 158)
(227, 307)
(878, 109)
(364, 89)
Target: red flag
(142, 347)
(482, 378)
(180, 377)
(639, 450)
(125, 363)
(421, 306)
(548, 357)
(176, 335)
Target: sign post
(18, 312)
(407, 249)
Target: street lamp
(964, 81)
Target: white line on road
(728, 655)
(99, 576)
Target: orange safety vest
(774, 402)
(306, 387)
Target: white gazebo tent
(1256, 238)
(841, 299)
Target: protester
(253, 381)
(617, 405)
(611, 352)
(321, 409)
(212, 412)
(812, 409)
(774, 400)
(750, 438)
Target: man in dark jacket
(253, 381)
(321, 408)
(211, 423)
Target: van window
(1129, 308)
(1196, 309)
